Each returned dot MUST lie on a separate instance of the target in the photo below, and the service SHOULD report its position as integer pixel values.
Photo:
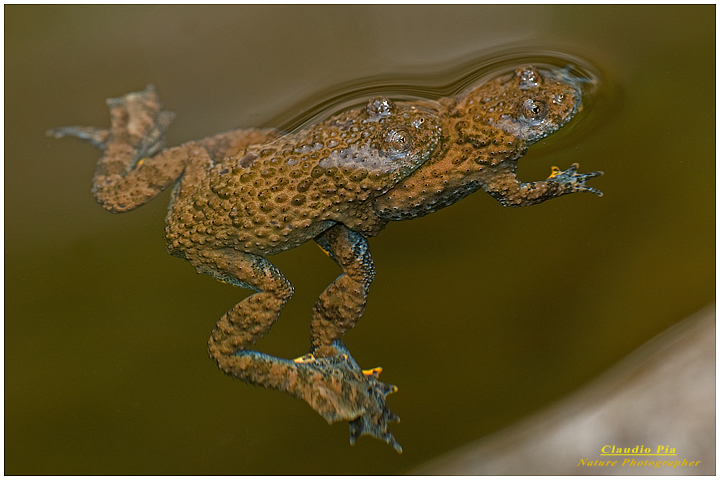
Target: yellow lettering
(586, 462)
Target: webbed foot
(137, 120)
(97, 137)
(573, 181)
(338, 389)
(141, 118)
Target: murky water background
(480, 314)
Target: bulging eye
(380, 107)
(397, 140)
(529, 78)
(534, 110)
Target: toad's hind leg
(250, 319)
(133, 169)
(336, 311)
(335, 386)
(343, 301)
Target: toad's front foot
(571, 181)
(338, 389)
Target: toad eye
(380, 107)
(534, 110)
(397, 140)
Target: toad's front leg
(505, 187)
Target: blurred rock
(661, 395)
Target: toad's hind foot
(338, 389)
(139, 118)
(137, 121)
(97, 137)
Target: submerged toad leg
(125, 177)
(250, 319)
(336, 311)
(506, 188)
(342, 303)
(335, 387)
(134, 169)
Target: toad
(242, 196)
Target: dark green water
(480, 314)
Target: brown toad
(243, 195)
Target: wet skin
(244, 195)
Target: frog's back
(271, 197)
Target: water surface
(479, 313)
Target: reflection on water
(479, 314)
